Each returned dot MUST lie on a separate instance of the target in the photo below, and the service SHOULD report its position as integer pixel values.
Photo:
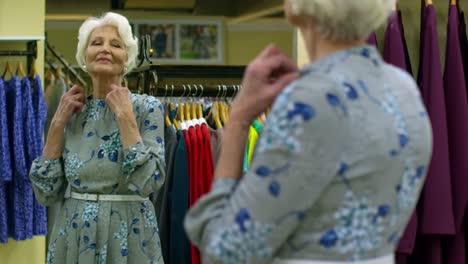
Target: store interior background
(247, 27)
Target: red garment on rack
(209, 171)
(198, 177)
(193, 181)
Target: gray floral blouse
(94, 161)
(336, 173)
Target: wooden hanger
(176, 124)
(199, 111)
(167, 120)
(20, 72)
(453, 2)
(194, 110)
(33, 71)
(180, 112)
(199, 104)
(428, 2)
(59, 72)
(223, 111)
(8, 69)
(49, 75)
(217, 120)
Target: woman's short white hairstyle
(344, 20)
(125, 31)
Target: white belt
(390, 259)
(107, 197)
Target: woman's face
(106, 53)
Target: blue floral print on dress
(122, 236)
(102, 258)
(90, 213)
(51, 254)
(237, 243)
(111, 146)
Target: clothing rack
(203, 80)
(196, 90)
(76, 75)
(30, 52)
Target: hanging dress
(15, 190)
(30, 150)
(5, 164)
(40, 114)
(457, 127)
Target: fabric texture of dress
(5, 158)
(15, 190)
(40, 112)
(348, 126)
(94, 161)
(5, 164)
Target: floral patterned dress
(94, 161)
(336, 173)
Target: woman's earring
(125, 69)
(85, 69)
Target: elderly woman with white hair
(342, 158)
(110, 148)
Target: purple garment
(395, 53)
(464, 45)
(428, 251)
(372, 40)
(30, 138)
(435, 206)
(394, 45)
(457, 116)
(457, 123)
(453, 248)
(5, 158)
(401, 258)
(40, 114)
(14, 191)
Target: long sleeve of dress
(249, 220)
(144, 162)
(48, 179)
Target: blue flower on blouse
(274, 187)
(235, 244)
(359, 227)
(284, 134)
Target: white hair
(344, 20)
(125, 31)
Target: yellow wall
(244, 44)
(22, 18)
(241, 42)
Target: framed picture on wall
(200, 43)
(163, 39)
